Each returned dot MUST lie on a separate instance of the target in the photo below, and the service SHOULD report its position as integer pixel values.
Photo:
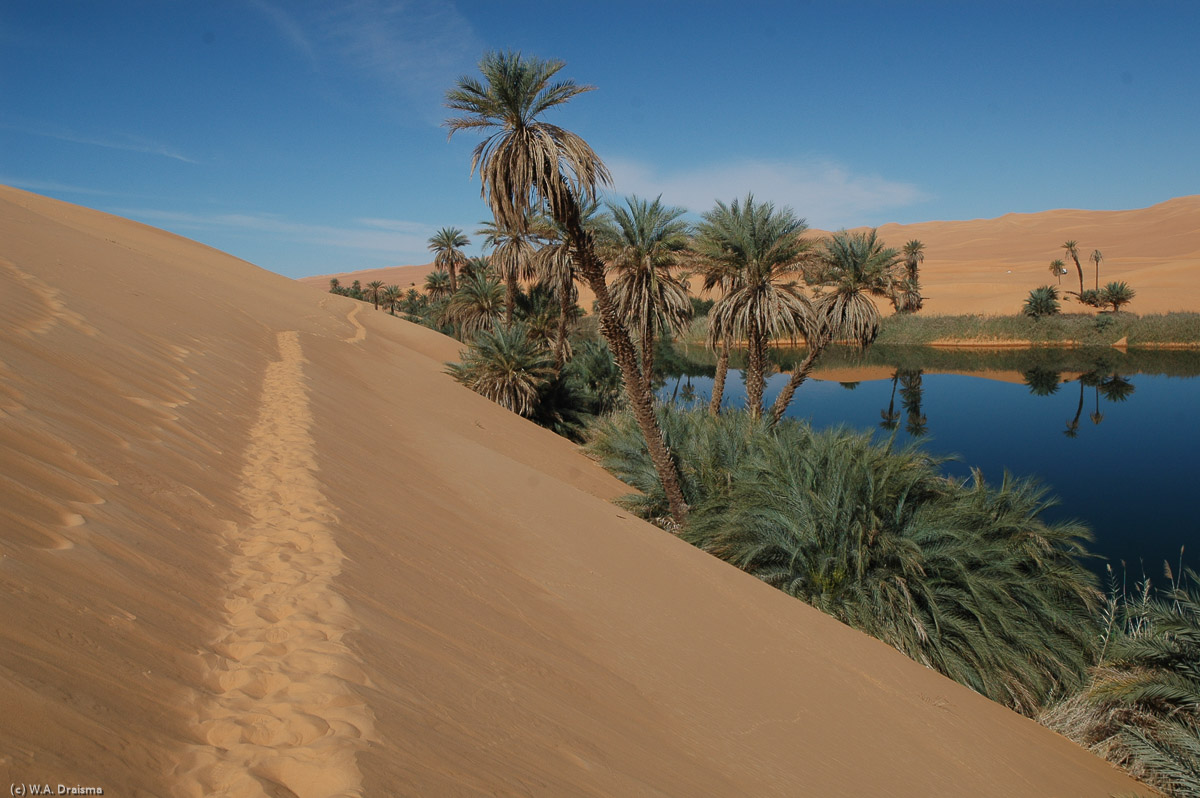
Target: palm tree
(1072, 249)
(753, 248)
(1057, 269)
(524, 162)
(908, 297)
(914, 256)
(391, 295)
(447, 245)
(1042, 301)
(1117, 294)
(478, 305)
(437, 285)
(554, 266)
(853, 266)
(1097, 256)
(506, 366)
(374, 292)
(641, 241)
(512, 257)
(476, 265)
(335, 285)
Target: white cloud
(826, 193)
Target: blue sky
(305, 137)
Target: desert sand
(989, 266)
(254, 541)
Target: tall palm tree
(524, 162)
(476, 306)
(437, 285)
(447, 244)
(1056, 268)
(852, 266)
(554, 266)
(335, 285)
(374, 292)
(914, 256)
(753, 248)
(1097, 256)
(641, 240)
(719, 277)
(908, 297)
(391, 295)
(1072, 249)
(512, 257)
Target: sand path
(360, 332)
(281, 713)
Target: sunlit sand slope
(991, 265)
(254, 542)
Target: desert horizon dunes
(989, 266)
(254, 541)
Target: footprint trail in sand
(282, 718)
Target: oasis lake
(1115, 436)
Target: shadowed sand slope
(253, 541)
(989, 266)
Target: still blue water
(1131, 473)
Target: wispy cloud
(828, 194)
(288, 27)
(416, 47)
(120, 141)
(404, 239)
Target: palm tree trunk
(755, 371)
(648, 357)
(592, 270)
(718, 389)
(510, 299)
(453, 279)
(1079, 269)
(564, 300)
(815, 348)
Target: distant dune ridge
(989, 266)
(254, 541)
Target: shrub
(1116, 294)
(962, 577)
(1042, 301)
(1141, 709)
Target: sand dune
(989, 266)
(247, 527)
